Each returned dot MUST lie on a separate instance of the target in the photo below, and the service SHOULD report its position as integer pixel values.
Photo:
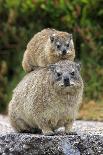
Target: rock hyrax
(46, 47)
(47, 98)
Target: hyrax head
(62, 45)
(66, 76)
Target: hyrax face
(62, 45)
(66, 76)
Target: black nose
(66, 82)
(64, 52)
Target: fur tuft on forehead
(63, 35)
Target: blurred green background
(21, 19)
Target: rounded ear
(78, 65)
(70, 36)
(52, 67)
(52, 37)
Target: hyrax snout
(47, 98)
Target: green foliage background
(21, 19)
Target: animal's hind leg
(21, 126)
(27, 62)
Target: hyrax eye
(52, 38)
(67, 45)
(72, 73)
(58, 46)
(59, 74)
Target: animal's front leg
(47, 131)
(68, 126)
(45, 127)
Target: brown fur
(39, 101)
(39, 51)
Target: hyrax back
(46, 47)
(47, 98)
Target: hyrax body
(46, 47)
(47, 98)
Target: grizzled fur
(47, 98)
(46, 47)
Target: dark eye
(72, 73)
(52, 39)
(67, 45)
(58, 46)
(59, 74)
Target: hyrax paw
(48, 133)
(71, 133)
(60, 131)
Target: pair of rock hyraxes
(49, 96)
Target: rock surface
(87, 141)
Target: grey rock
(25, 144)
(87, 141)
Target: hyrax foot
(68, 127)
(21, 126)
(29, 68)
(60, 131)
(48, 132)
(72, 133)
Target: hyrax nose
(64, 52)
(66, 82)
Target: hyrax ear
(70, 36)
(52, 37)
(78, 65)
(52, 67)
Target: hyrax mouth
(64, 56)
(68, 85)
